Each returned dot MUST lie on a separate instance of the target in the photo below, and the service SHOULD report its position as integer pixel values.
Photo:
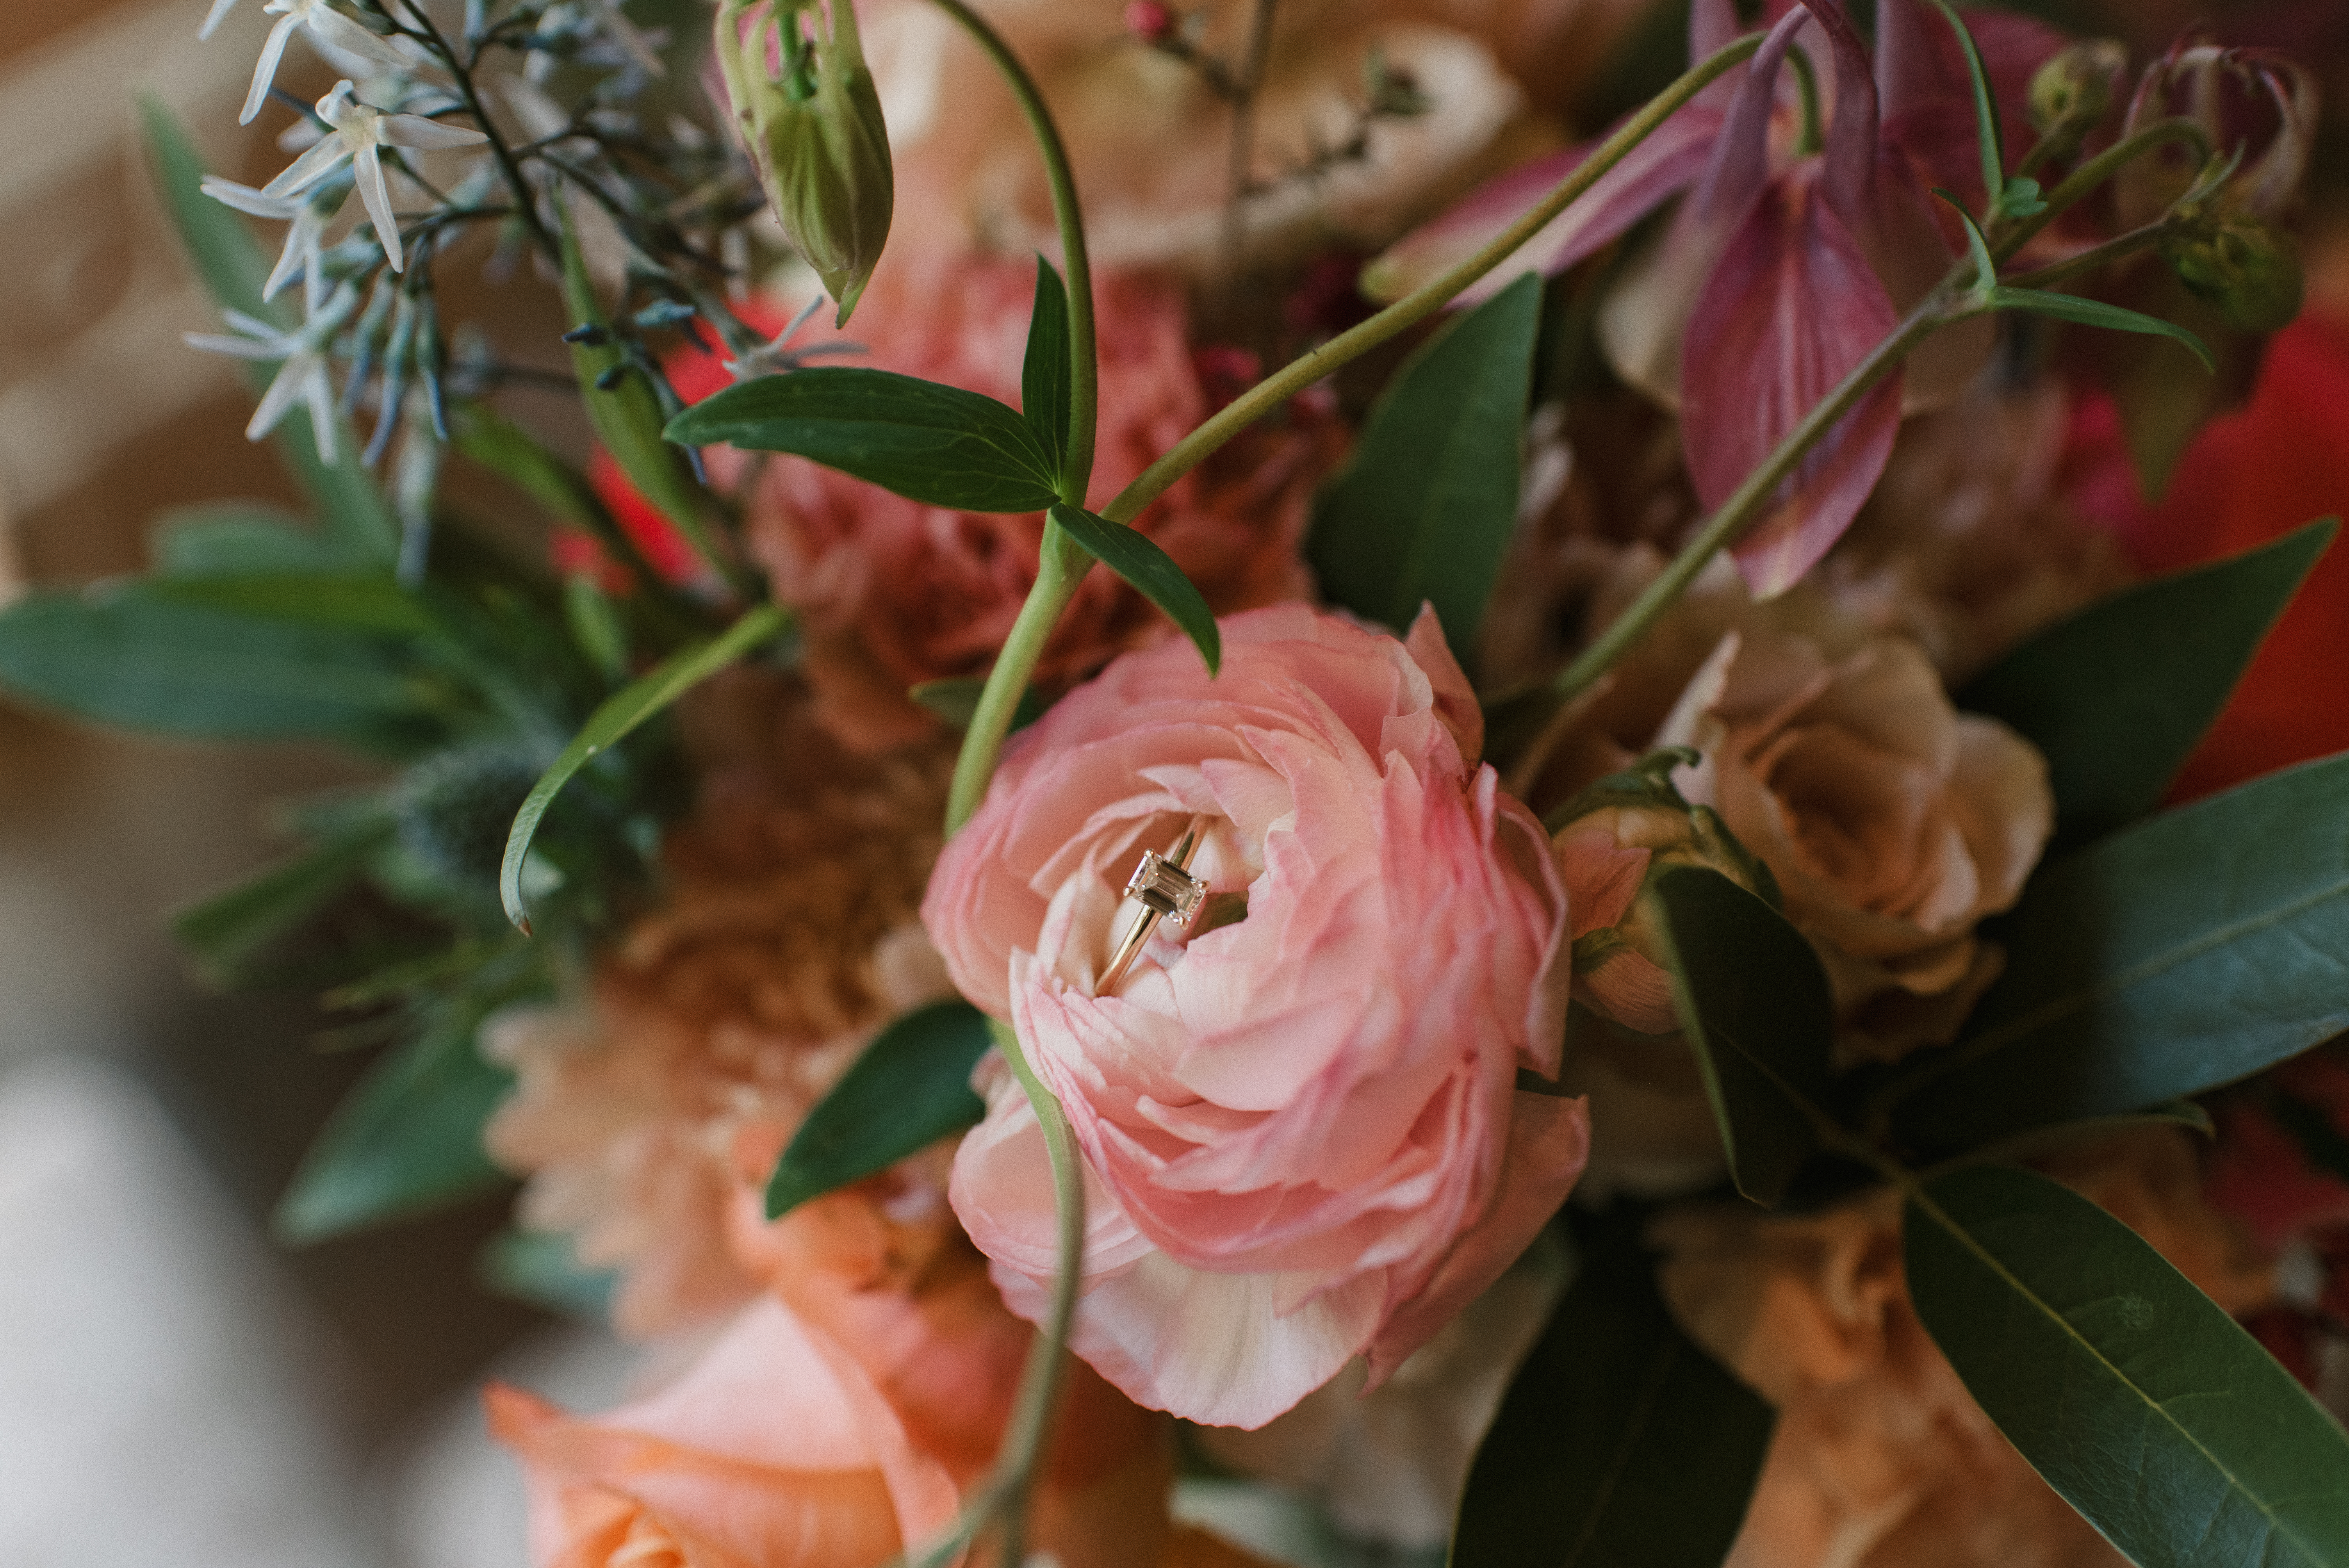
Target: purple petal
(1927, 93)
(1741, 156)
(1790, 309)
(1851, 176)
(1669, 161)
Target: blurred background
(177, 1391)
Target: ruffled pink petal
(1790, 309)
(1550, 1143)
(1457, 708)
(1602, 878)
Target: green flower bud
(809, 112)
(2250, 270)
(2072, 91)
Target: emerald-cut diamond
(1166, 889)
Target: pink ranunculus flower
(1302, 1128)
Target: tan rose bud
(814, 125)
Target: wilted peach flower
(788, 937)
(1892, 823)
(1302, 1129)
(1880, 1458)
(1150, 134)
(893, 592)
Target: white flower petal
(285, 390)
(212, 19)
(309, 169)
(334, 28)
(321, 393)
(246, 199)
(235, 348)
(431, 135)
(297, 250)
(378, 198)
(253, 326)
(265, 71)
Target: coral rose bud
(1300, 1123)
(1619, 832)
(815, 131)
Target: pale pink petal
(1791, 307)
(1602, 878)
(1456, 707)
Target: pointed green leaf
(120, 653)
(1753, 1003)
(1977, 247)
(1620, 1443)
(223, 929)
(627, 416)
(406, 1140)
(360, 603)
(2134, 1394)
(936, 444)
(1152, 573)
(2118, 696)
(2096, 313)
(2191, 950)
(1044, 375)
(1425, 510)
(1987, 131)
(956, 700)
(910, 1089)
(359, 523)
(231, 539)
(620, 714)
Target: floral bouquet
(1245, 813)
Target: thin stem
(1055, 586)
(2095, 172)
(1745, 504)
(464, 76)
(1807, 78)
(2112, 250)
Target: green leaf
(1977, 246)
(2134, 1394)
(1044, 395)
(627, 416)
(2189, 951)
(359, 525)
(1151, 571)
(910, 1089)
(123, 654)
(407, 1138)
(2096, 313)
(1752, 1002)
(543, 1269)
(956, 700)
(222, 929)
(1425, 510)
(2118, 696)
(360, 603)
(235, 539)
(1987, 131)
(936, 444)
(1620, 1443)
(621, 713)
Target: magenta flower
(1785, 263)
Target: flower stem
(1055, 587)
(2112, 250)
(2095, 172)
(525, 206)
(1745, 504)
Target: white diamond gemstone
(1166, 889)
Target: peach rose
(893, 592)
(1880, 1457)
(1892, 823)
(1302, 1129)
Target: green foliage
(1987, 130)
(1752, 1002)
(542, 1269)
(2135, 1395)
(2118, 696)
(127, 653)
(2182, 954)
(641, 700)
(223, 930)
(956, 700)
(1152, 573)
(910, 1089)
(237, 540)
(936, 444)
(625, 412)
(355, 604)
(359, 526)
(2097, 314)
(1044, 373)
(408, 1138)
(1620, 1443)
(1425, 510)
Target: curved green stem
(2088, 261)
(2076, 186)
(1055, 587)
(1744, 504)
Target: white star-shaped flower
(326, 25)
(354, 134)
(309, 216)
(303, 376)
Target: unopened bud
(808, 110)
(2070, 93)
(1149, 21)
(2250, 270)
(2223, 89)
